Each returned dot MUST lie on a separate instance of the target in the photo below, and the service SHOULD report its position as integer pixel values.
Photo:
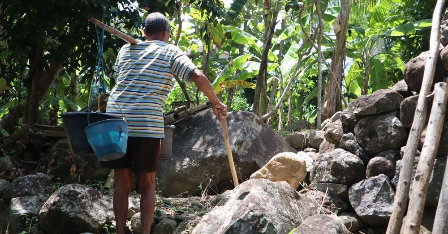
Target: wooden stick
(115, 32)
(420, 117)
(426, 163)
(441, 220)
(229, 150)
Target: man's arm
(201, 81)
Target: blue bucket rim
(107, 120)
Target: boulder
(286, 166)
(5, 164)
(391, 155)
(167, 225)
(318, 224)
(444, 29)
(136, 222)
(338, 166)
(349, 143)
(331, 204)
(381, 132)
(326, 147)
(257, 206)
(315, 138)
(339, 190)
(199, 151)
(351, 220)
(349, 120)
(444, 57)
(407, 110)
(61, 161)
(308, 160)
(24, 213)
(299, 125)
(402, 88)
(380, 101)
(380, 165)
(75, 208)
(298, 140)
(5, 189)
(415, 68)
(334, 132)
(333, 119)
(435, 181)
(133, 207)
(26, 186)
(372, 199)
(442, 151)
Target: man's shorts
(142, 155)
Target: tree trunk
(73, 90)
(179, 21)
(260, 88)
(230, 94)
(291, 92)
(420, 116)
(332, 97)
(426, 163)
(32, 113)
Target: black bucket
(167, 143)
(75, 123)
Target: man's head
(157, 27)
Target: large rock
(349, 143)
(75, 208)
(26, 186)
(326, 147)
(24, 213)
(331, 204)
(407, 110)
(257, 206)
(287, 167)
(381, 101)
(444, 57)
(351, 220)
(349, 120)
(444, 29)
(61, 161)
(372, 199)
(167, 225)
(402, 88)
(334, 132)
(338, 166)
(5, 189)
(199, 152)
(415, 68)
(442, 151)
(315, 138)
(378, 133)
(298, 140)
(299, 125)
(435, 180)
(308, 160)
(339, 190)
(380, 165)
(318, 224)
(5, 164)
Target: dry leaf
(73, 170)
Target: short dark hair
(155, 23)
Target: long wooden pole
(420, 117)
(115, 32)
(426, 163)
(441, 220)
(225, 133)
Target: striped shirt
(145, 74)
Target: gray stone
(326, 147)
(402, 88)
(199, 152)
(392, 155)
(349, 143)
(298, 140)
(62, 160)
(5, 188)
(372, 199)
(351, 220)
(415, 68)
(378, 133)
(339, 190)
(338, 166)
(349, 120)
(5, 164)
(442, 150)
(444, 57)
(407, 110)
(380, 101)
(435, 181)
(133, 207)
(444, 29)
(334, 132)
(257, 206)
(165, 226)
(380, 165)
(315, 138)
(136, 222)
(307, 158)
(24, 212)
(336, 116)
(299, 125)
(318, 224)
(331, 204)
(26, 186)
(74, 208)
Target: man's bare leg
(123, 183)
(147, 187)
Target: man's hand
(220, 110)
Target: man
(144, 79)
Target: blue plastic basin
(108, 138)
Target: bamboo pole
(441, 220)
(225, 134)
(114, 31)
(420, 116)
(426, 163)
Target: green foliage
(31, 223)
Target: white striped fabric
(144, 79)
